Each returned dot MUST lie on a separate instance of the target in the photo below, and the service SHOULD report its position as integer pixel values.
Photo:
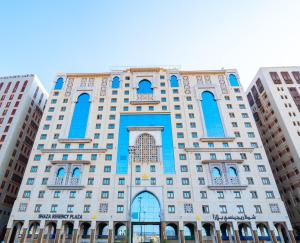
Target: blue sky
(46, 37)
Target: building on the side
(22, 101)
(274, 97)
(148, 155)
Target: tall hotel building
(148, 155)
(22, 101)
(274, 97)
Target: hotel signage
(231, 217)
(60, 216)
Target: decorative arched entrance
(145, 218)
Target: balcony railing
(227, 182)
(63, 182)
(144, 99)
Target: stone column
(40, 236)
(181, 233)
(292, 236)
(237, 236)
(75, 234)
(92, 240)
(57, 236)
(273, 237)
(8, 234)
(163, 231)
(199, 235)
(255, 236)
(110, 239)
(24, 235)
(219, 239)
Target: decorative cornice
(208, 161)
(75, 140)
(217, 139)
(145, 102)
(145, 70)
(73, 162)
(65, 187)
(218, 149)
(88, 75)
(98, 151)
(145, 128)
(199, 72)
(227, 187)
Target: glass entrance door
(145, 233)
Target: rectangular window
(170, 194)
(120, 194)
(120, 208)
(203, 194)
(171, 209)
(223, 208)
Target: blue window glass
(115, 83)
(76, 172)
(233, 80)
(60, 172)
(232, 172)
(145, 208)
(216, 172)
(145, 120)
(80, 117)
(59, 84)
(212, 118)
(145, 87)
(174, 81)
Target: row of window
(170, 194)
(169, 181)
(188, 208)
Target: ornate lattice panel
(145, 149)
(69, 87)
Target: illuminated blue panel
(115, 83)
(59, 84)
(174, 81)
(145, 87)
(163, 120)
(145, 208)
(233, 80)
(80, 117)
(212, 118)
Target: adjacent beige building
(274, 97)
(22, 101)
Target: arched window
(171, 231)
(115, 83)
(174, 81)
(80, 117)
(216, 172)
(76, 172)
(233, 80)
(145, 208)
(59, 84)
(232, 172)
(145, 149)
(212, 118)
(145, 87)
(60, 173)
(207, 229)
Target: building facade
(22, 101)
(275, 102)
(148, 155)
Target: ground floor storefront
(152, 232)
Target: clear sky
(49, 36)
